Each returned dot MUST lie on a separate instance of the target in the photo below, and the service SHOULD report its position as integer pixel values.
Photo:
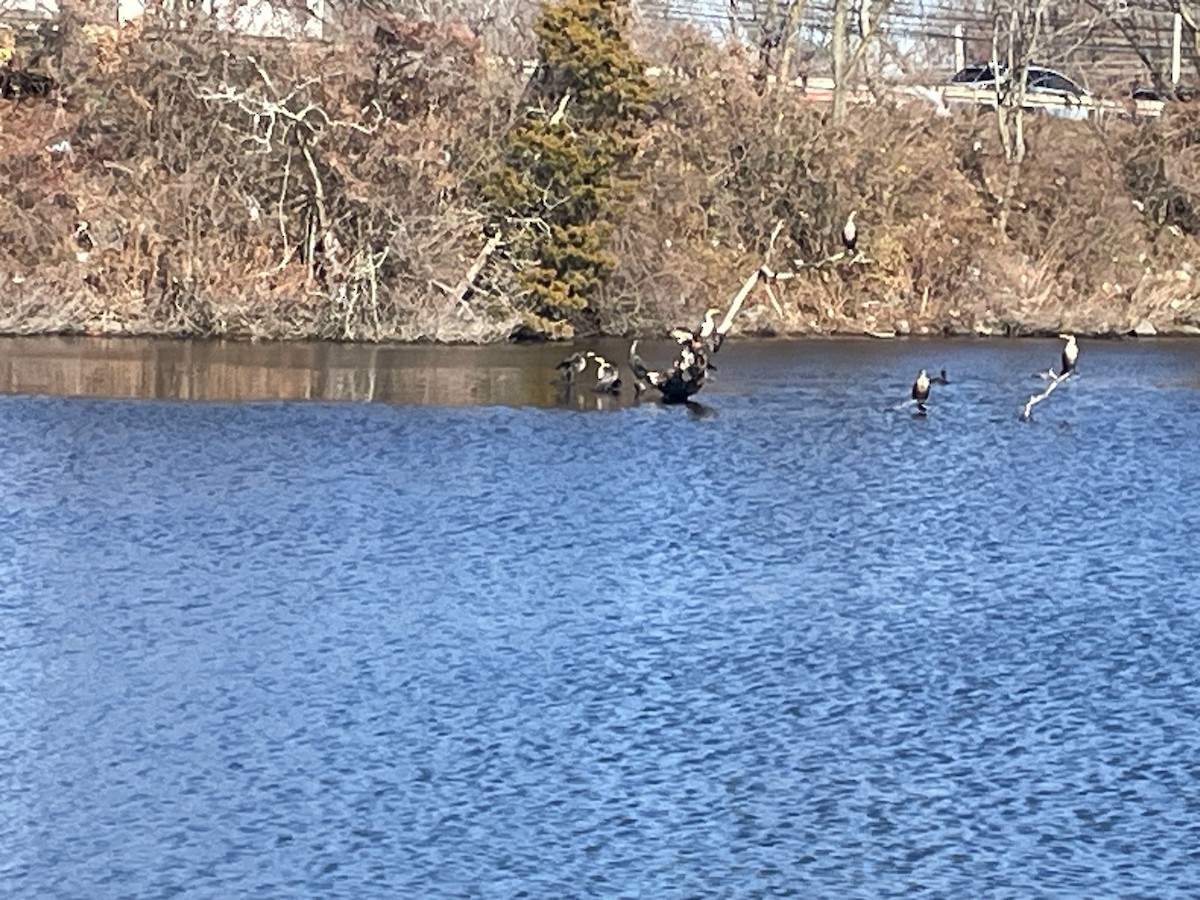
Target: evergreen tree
(566, 166)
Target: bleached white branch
(1027, 411)
(459, 293)
(857, 259)
(259, 108)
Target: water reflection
(824, 372)
(217, 370)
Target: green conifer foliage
(567, 163)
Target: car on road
(1043, 86)
(1038, 80)
(1181, 92)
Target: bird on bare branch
(850, 233)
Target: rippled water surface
(792, 642)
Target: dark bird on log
(608, 376)
(1070, 354)
(920, 389)
(850, 233)
(571, 366)
(939, 379)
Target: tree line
(405, 182)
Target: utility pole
(841, 9)
(1176, 47)
(864, 33)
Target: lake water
(477, 642)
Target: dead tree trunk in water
(687, 374)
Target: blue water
(795, 643)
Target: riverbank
(31, 310)
(195, 185)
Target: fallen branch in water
(686, 376)
(1055, 381)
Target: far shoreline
(947, 334)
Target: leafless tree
(1016, 30)
(849, 53)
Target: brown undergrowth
(190, 183)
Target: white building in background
(298, 18)
(28, 9)
(295, 19)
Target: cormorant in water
(608, 376)
(571, 366)
(939, 379)
(850, 233)
(1070, 354)
(920, 390)
(642, 376)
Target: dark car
(1181, 92)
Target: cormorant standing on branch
(571, 366)
(1070, 354)
(641, 375)
(608, 376)
(850, 233)
(939, 379)
(920, 390)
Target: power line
(1095, 41)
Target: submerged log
(685, 377)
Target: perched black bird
(682, 335)
(1070, 354)
(920, 389)
(642, 376)
(608, 376)
(850, 233)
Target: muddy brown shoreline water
(403, 374)
(240, 371)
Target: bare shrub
(211, 186)
(725, 163)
